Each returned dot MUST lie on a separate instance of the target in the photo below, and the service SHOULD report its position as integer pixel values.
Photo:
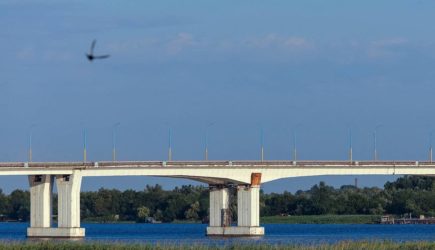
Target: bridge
(219, 175)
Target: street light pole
(262, 144)
(170, 145)
(114, 140)
(30, 147)
(375, 149)
(430, 147)
(294, 146)
(30, 152)
(84, 145)
(350, 145)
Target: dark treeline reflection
(409, 194)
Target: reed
(351, 245)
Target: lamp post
(262, 143)
(295, 152)
(430, 147)
(115, 126)
(375, 149)
(84, 145)
(294, 146)
(169, 144)
(30, 152)
(350, 145)
(206, 140)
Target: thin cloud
(134, 45)
(278, 41)
(390, 42)
(25, 54)
(56, 56)
(385, 48)
(181, 42)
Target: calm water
(275, 233)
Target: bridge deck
(221, 172)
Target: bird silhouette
(91, 55)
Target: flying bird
(91, 55)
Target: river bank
(322, 219)
(300, 219)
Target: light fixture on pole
(350, 145)
(294, 146)
(30, 152)
(430, 147)
(84, 145)
(115, 126)
(170, 144)
(295, 152)
(375, 146)
(262, 144)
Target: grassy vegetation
(365, 245)
(322, 219)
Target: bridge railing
(247, 163)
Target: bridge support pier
(248, 210)
(219, 212)
(68, 188)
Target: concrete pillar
(219, 203)
(41, 190)
(219, 199)
(68, 190)
(248, 206)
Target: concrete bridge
(219, 175)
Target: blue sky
(314, 67)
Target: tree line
(407, 195)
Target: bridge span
(219, 175)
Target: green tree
(192, 212)
(143, 213)
(4, 203)
(19, 208)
